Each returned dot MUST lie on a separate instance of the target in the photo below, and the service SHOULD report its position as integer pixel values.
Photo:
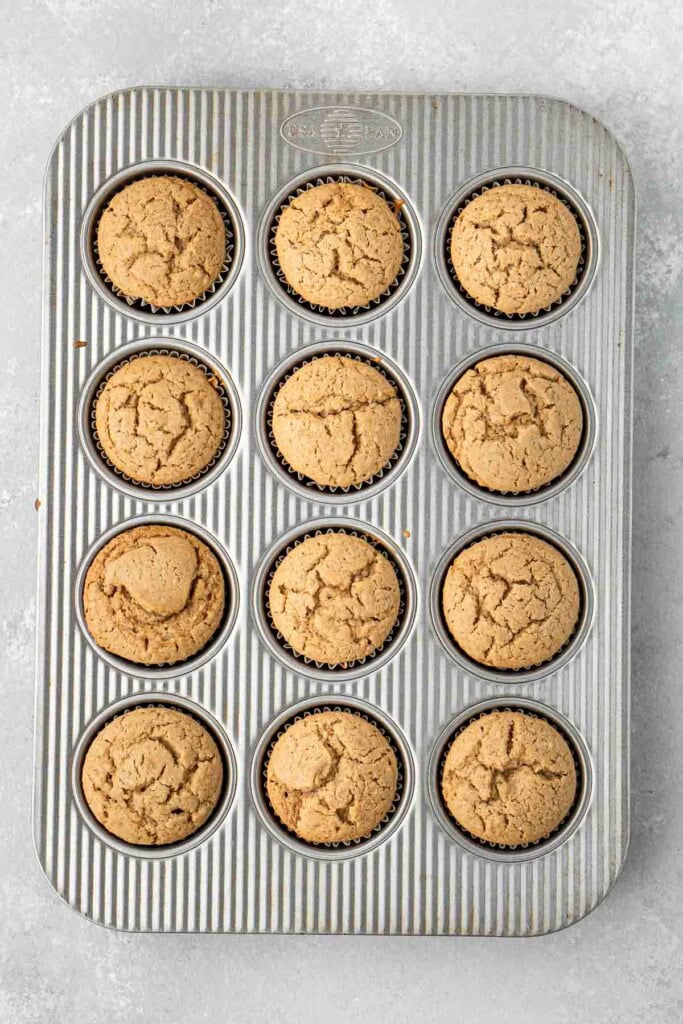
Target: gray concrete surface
(621, 61)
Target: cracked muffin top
(512, 423)
(334, 598)
(162, 239)
(515, 248)
(331, 777)
(509, 778)
(154, 595)
(337, 421)
(339, 245)
(159, 419)
(152, 776)
(511, 601)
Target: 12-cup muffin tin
(419, 873)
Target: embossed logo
(341, 130)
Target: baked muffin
(159, 419)
(511, 601)
(515, 248)
(152, 776)
(509, 778)
(339, 245)
(334, 598)
(154, 595)
(331, 777)
(337, 420)
(162, 239)
(512, 423)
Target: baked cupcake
(509, 778)
(339, 245)
(162, 240)
(512, 423)
(154, 595)
(511, 601)
(152, 776)
(331, 777)
(516, 248)
(337, 421)
(334, 598)
(159, 419)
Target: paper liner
(215, 382)
(345, 311)
(490, 310)
(386, 468)
(346, 665)
(511, 847)
(398, 796)
(218, 280)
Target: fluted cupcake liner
(142, 304)
(400, 775)
(511, 847)
(346, 311)
(381, 473)
(215, 382)
(346, 665)
(489, 310)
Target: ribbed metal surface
(242, 879)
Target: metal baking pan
(251, 150)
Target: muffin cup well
(404, 788)
(523, 851)
(348, 174)
(274, 640)
(215, 643)
(177, 703)
(217, 376)
(303, 485)
(546, 181)
(139, 308)
(545, 491)
(573, 643)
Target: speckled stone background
(621, 61)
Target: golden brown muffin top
(154, 595)
(511, 601)
(512, 423)
(337, 420)
(339, 245)
(516, 248)
(509, 778)
(152, 776)
(159, 419)
(162, 239)
(331, 777)
(334, 598)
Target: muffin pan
(419, 873)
